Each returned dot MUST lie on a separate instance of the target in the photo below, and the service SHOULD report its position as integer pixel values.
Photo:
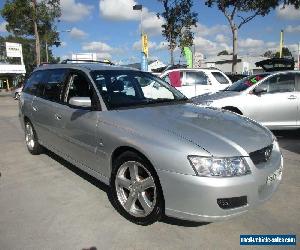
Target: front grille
(234, 202)
(262, 155)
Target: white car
(273, 99)
(17, 93)
(194, 82)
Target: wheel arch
(122, 149)
(233, 109)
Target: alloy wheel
(136, 189)
(29, 136)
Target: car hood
(219, 132)
(214, 96)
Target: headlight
(219, 167)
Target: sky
(111, 29)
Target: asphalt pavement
(46, 203)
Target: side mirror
(83, 102)
(259, 90)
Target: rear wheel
(136, 191)
(31, 139)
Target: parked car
(17, 92)
(194, 82)
(158, 153)
(271, 99)
(235, 77)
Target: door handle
(292, 97)
(57, 117)
(34, 108)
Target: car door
(78, 124)
(278, 105)
(198, 83)
(45, 105)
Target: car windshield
(245, 83)
(130, 88)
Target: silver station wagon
(159, 154)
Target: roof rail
(86, 61)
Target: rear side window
(54, 85)
(220, 77)
(34, 82)
(197, 77)
(280, 83)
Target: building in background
(85, 56)
(12, 68)
(245, 64)
(198, 60)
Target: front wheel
(32, 143)
(136, 191)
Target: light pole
(144, 63)
(46, 45)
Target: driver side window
(280, 83)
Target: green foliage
(20, 17)
(179, 20)
(237, 9)
(296, 3)
(269, 54)
(285, 53)
(223, 53)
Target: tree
(285, 53)
(295, 3)
(179, 19)
(269, 54)
(234, 10)
(240, 12)
(32, 18)
(223, 53)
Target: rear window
(220, 77)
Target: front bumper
(195, 198)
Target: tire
(31, 140)
(135, 189)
